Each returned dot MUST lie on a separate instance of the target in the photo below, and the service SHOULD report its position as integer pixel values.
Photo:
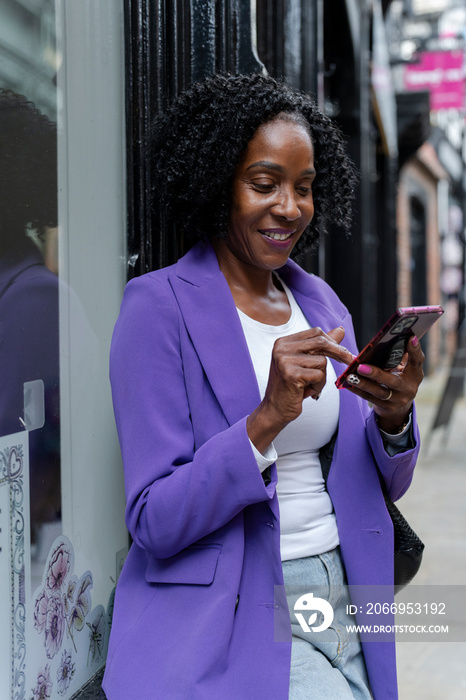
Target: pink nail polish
(364, 369)
(415, 341)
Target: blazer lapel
(215, 329)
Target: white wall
(92, 218)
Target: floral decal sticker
(62, 614)
(43, 688)
(49, 607)
(65, 672)
(58, 567)
(78, 603)
(97, 635)
(54, 625)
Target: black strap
(326, 455)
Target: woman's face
(271, 196)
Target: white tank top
(307, 521)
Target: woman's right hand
(298, 369)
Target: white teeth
(278, 236)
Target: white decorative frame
(55, 639)
(15, 549)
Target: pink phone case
(387, 348)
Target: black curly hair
(194, 148)
(28, 167)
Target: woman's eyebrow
(267, 164)
(278, 168)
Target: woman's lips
(277, 234)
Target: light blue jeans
(331, 668)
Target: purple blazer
(194, 606)
(29, 347)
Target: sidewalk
(435, 506)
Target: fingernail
(415, 341)
(353, 379)
(364, 369)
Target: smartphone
(387, 348)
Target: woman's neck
(258, 293)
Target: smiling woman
(272, 206)
(217, 364)
(273, 195)
(196, 145)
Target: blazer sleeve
(175, 495)
(397, 471)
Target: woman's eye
(263, 186)
(304, 189)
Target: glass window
(62, 274)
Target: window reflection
(29, 332)
(28, 54)
(60, 292)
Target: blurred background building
(392, 74)
(427, 42)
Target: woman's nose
(286, 205)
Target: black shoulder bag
(408, 547)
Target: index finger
(325, 344)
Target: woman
(223, 370)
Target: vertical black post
(168, 44)
(367, 218)
(386, 192)
(138, 110)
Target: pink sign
(442, 74)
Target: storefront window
(62, 274)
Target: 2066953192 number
(405, 608)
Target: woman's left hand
(391, 392)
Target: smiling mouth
(278, 235)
